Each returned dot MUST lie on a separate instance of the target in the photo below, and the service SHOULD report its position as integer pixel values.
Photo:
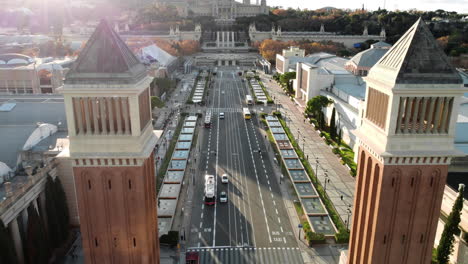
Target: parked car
(223, 197)
(224, 178)
(221, 115)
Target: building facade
(107, 105)
(21, 74)
(405, 147)
(219, 9)
(347, 40)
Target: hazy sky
(460, 6)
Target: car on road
(223, 197)
(224, 178)
(221, 115)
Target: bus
(208, 119)
(210, 197)
(246, 113)
(248, 99)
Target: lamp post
(326, 180)
(298, 135)
(303, 144)
(316, 166)
(300, 227)
(348, 211)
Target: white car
(223, 197)
(221, 115)
(224, 178)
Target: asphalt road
(255, 215)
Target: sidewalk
(341, 185)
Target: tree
(37, 245)
(7, 250)
(332, 125)
(52, 214)
(445, 248)
(62, 210)
(340, 137)
(287, 80)
(315, 105)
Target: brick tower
(111, 142)
(406, 144)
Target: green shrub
(170, 238)
(315, 238)
(156, 102)
(342, 237)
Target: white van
(221, 115)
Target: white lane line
(279, 220)
(258, 185)
(269, 187)
(281, 229)
(202, 213)
(275, 210)
(268, 182)
(274, 202)
(201, 223)
(284, 240)
(203, 206)
(271, 195)
(216, 169)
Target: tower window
(130, 184)
(424, 115)
(377, 104)
(89, 184)
(432, 181)
(421, 239)
(96, 242)
(412, 181)
(109, 183)
(134, 242)
(385, 239)
(393, 182)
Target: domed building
(361, 63)
(21, 74)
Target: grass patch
(156, 102)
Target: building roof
(18, 124)
(369, 57)
(13, 60)
(152, 53)
(416, 58)
(106, 59)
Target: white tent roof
(153, 52)
(40, 133)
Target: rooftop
(416, 58)
(105, 59)
(17, 125)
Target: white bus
(248, 99)
(210, 197)
(246, 113)
(208, 119)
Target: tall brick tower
(111, 142)
(406, 144)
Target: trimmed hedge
(171, 238)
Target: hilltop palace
(220, 9)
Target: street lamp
(326, 180)
(316, 166)
(348, 211)
(298, 134)
(303, 144)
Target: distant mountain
(328, 8)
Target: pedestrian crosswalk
(248, 255)
(226, 110)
